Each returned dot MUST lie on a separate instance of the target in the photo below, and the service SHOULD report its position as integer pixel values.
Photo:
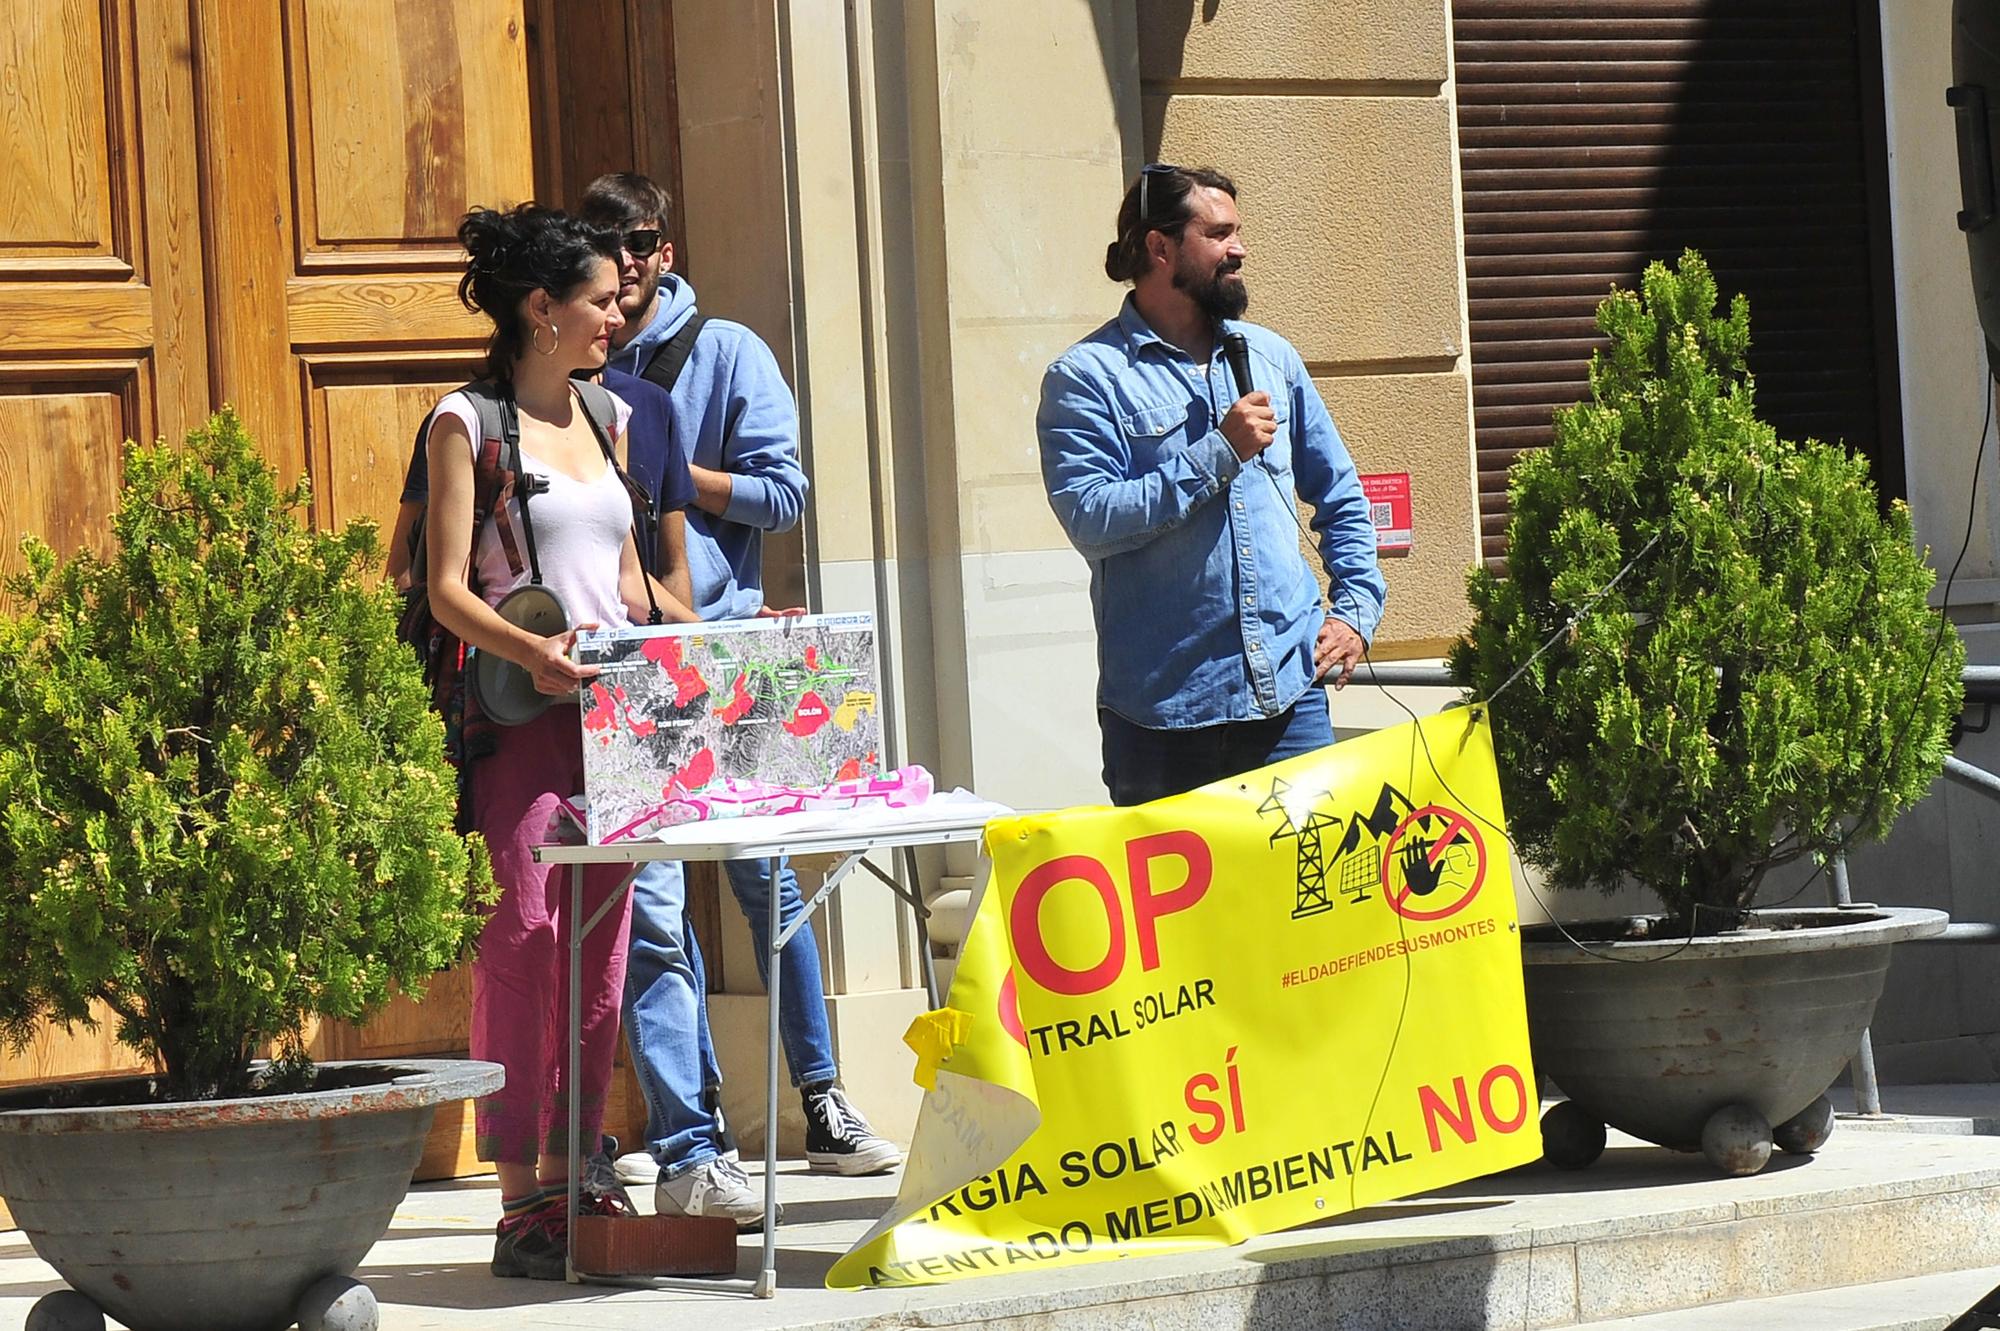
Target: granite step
(1920, 1303)
(1969, 1108)
(1644, 1234)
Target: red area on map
(808, 716)
(693, 774)
(666, 654)
(604, 716)
(849, 770)
(812, 657)
(739, 704)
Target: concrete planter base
(1657, 1037)
(221, 1215)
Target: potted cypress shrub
(225, 810)
(1727, 663)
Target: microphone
(1236, 350)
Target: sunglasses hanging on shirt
(1146, 174)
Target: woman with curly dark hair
(549, 283)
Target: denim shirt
(1206, 609)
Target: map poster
(686, 722)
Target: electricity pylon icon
(1312, 898)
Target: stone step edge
(1525, 1272)
(1916, 1303)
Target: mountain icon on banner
(1390, 809)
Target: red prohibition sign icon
(1457, 828)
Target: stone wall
(1337, 123)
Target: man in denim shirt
(1179, 490)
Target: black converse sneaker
(838, 1139)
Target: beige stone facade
(1337, 123)
(949, 171)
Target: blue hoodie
(732, 412)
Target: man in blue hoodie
(734, 419)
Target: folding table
(763, 838)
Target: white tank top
(580, 532)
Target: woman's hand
(554, 673)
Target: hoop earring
(535, 339)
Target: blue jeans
(1142, 764)
(666, 1005)
(802, 1024)
(666, 1022)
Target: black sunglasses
(641, 243)
(1146, 174)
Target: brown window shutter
(1597, 137)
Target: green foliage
(226, 804)
(1734, 702)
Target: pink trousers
(520, 975)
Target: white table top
(788, 834)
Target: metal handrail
(1982, 689)
(1982, 682)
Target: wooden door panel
(385, 177)
(42, 317)
(366, 415)
(60, 445)
(100, 258)
(368, 311)
(61, 91)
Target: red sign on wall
(1388, 495)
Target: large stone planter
(1657, 1042)
(220, 1215)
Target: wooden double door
(248, 202)
(254, 203)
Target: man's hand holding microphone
(1251, 425)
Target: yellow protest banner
(1268, 1001)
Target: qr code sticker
(1379, 514)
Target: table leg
(576, 932)
(767, 1276)
(922, 911)
(913, 897)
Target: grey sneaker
(636, 1169)
(839, 1140)
(715, 1187)
(603, 1180)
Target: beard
(1219, 293)
(633, 305)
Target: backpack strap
(489, 481)
(671, 358)
(500, 426)
(601, 409)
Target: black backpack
(497, 477)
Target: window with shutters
(1595, 138)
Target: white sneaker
(636, 1169)
(712, 1188)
